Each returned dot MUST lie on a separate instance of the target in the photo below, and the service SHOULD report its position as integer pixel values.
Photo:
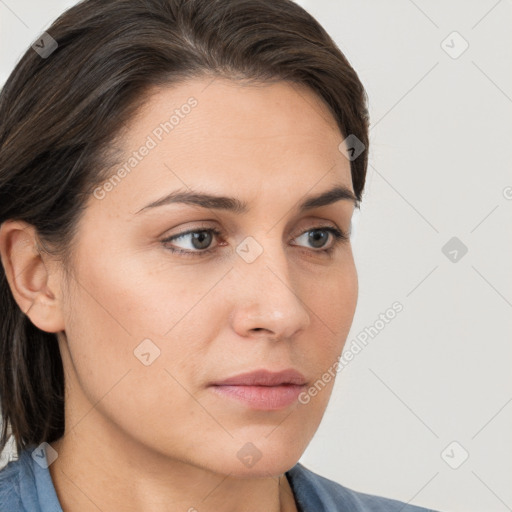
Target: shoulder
(317, 493)
(10, 496)
(26, 485)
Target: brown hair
(61, 111)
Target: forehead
(221, 135)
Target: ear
(35, 289)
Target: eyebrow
(232, 204)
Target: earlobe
(26, 268)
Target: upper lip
(264, 378)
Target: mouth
(263, 389)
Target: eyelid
(315, 224)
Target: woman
(177, 183)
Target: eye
(319, 236)
(200, 240)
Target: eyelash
(339, 237)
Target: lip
(263, 389)
(264, 377)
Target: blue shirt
(26, 486)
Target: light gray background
(440, 165)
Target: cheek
(138, 298)
(122, 311)
(334, 299)
(332, 305)
(104, 330)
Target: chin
(261, 458)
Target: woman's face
(148, 330)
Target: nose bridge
(263, 260)
(266, 288)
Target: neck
(98, 472)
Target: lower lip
(264, 398)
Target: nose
(267, 302)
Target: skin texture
(156, 437)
